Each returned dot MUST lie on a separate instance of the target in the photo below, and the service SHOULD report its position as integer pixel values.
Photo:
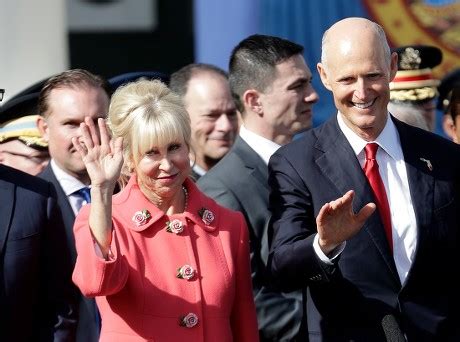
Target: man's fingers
(348, 197)
(365, 212)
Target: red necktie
(371, 169)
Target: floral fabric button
(189, 320)
(185, 272)
(141, 217)
(175, 226)
(207, 216)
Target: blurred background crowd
(109, 38)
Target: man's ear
(43, 127)
(322, 73)
(393, 65)
(252, 101)
(449, 127)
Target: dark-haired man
(271, 84)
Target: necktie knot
(371, 151)
(85, 194)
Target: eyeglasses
(2, 91)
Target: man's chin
(78, 168)
(219, 153)
(221, 147)
(223, 143)
(301, 127)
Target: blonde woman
(165, 262)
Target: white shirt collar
(262, 146)
(198, 169)
(388, 139)
(68, 183)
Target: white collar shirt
(393, 172)
(262, 146)
(69, 185)
(198, 169)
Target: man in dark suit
(272, 87)
(64, 101)
(35, 286)
(375, 272)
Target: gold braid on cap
(418, 94)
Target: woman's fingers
(118, 145)
(78, 146)
(93, 133)
(104, 132)
(85, 136)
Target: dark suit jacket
(239, 182)
(35, 285)
(350, 300)
(87, 329)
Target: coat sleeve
(243, 318)
(94, 275)
(292, 260)
(60, 294)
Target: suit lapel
(421, 183)
(68, 215)
(6, 210)
(252, 161)
(421, 180)
(63, 201)
(339, 164)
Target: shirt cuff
(333, 255)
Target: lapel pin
(428, 163)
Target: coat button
(189, 320)
(175, 226)
(185, 272)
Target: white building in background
(33, 42)
(34, 34)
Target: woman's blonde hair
(146, 114)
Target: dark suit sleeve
(57, 266)
(292, 262)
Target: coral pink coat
(139, 295)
